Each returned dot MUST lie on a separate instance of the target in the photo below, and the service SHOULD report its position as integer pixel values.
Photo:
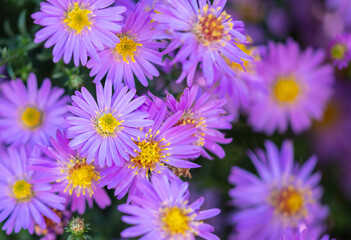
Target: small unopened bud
(78, 229)
(77, 226)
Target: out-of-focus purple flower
(53, 229)
(340, 50)
(283, 196)
(103, 130)
(136, 52)
(331, 135)
(214, 198)
(77, 28)
(163, 212)
(205, 114)
(278, 22)
(28, 114)
(341, 8)
(205, 34)
(26, 198)
(72, 174)
(163, 145)
(303, 233)
(297, 87)
(237, 90)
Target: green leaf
(10, 71)
(164, 57)
(21, 24)
(8, 29)
(3, 53)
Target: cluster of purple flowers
(58, 155)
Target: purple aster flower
(331, 135)
(238, 90)
(25, 197)
(297, 87)
(73, 176)
(283, 196)
(134, 54)
(340, 50)
(303, 233)
(78, 27)
(205, 34)
(163, 146)
(342, 9)
(103, 131)
(53, 230)
(163, 212)
(206, 115)
(28, 114)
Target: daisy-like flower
(136, 52)
(28, 114)
(302, 233)
(340, 50)
(205, 34)
(283, 196)
(331, 135)
(206, 115)
(297, 87)
(163, 146)
(342, 11)
(53, 230)
(103, 131)
(237, 90)
(77, 28)
(25, 197)
(72, 174)
(163, 212)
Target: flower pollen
(80, 176)
(32, 118)
(338, 51)
(151, 153)
(107, 124)
(289, 201)
(77, 18)
(286, 89)
(189, 118)
(209, 28)
(22, 191)
(331, 117)
(127, 48)
(175, 221)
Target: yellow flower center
(107, 124)
(31, 118)
(127, 48)
(286, 89)
(189, 118)
(210, 28)
(80, 176)
(331, 117)
(149, 155)
(176, 221)
(77, 18)
(22, 190)
(289, 201)
(249, 50)
(338, 51)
